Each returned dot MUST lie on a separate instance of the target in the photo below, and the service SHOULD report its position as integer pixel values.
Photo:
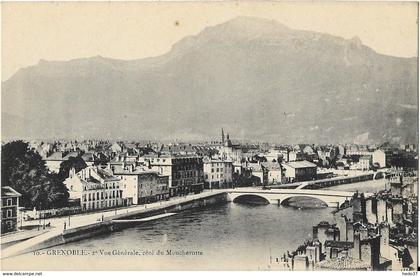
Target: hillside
(257, 78)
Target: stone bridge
(279, 196)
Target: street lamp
(21, 220)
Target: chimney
(72, 172)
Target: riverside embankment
(73, 228)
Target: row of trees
(24, 170)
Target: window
(9, 214)
(9, 202)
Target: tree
(25, 171)
(73, 162)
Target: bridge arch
(251, 198)
(316, 201)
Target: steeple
(223, 137)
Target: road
(74, 221)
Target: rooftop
(55, 156)
(137, 171)
(300, 164)
(344, 263)
(8, 191)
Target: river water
(229, 236)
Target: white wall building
(379, 157)
(217, 173)
(96, 188)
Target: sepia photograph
(209, 136)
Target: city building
(297, 171)
(94, 188)
(217, 173)
(9, 209)
(273, 173)
(53, 162)
(230, 151)
(185, 172)
(364, 162)
(256, 171)
(142, 185)
(379, 157)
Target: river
(229, 236)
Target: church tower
(223, 137)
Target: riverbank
(74, 228)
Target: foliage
(25, 171)
(73, 162)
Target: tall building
(94, 188)
(9, 209)
(142, 185)
(379, 156)
(230, 151)
(217, 173)
(185, 172)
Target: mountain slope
(255, 77)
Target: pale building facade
(379, 157)
(217, 173)
(95, 188)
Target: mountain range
(256, 78)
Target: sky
(130, 30)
